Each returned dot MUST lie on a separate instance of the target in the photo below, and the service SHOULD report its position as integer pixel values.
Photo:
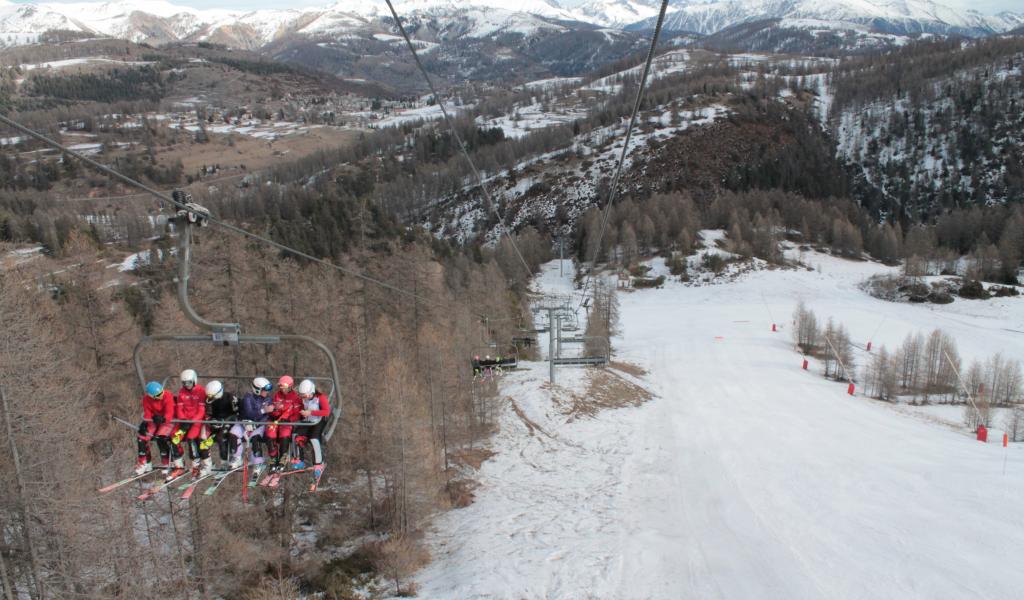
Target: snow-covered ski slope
(745, 477)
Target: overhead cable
(625, 146)
(462, 146)
(168, 199)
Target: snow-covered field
(530, 118)
(675, 61)
(257, 128)
(745, 477)
(73, 62)
(424, 113)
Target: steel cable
(625, 147)
(162, 196)
(462, 146)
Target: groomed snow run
(745, 477)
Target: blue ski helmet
(154, 389)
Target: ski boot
(176, 470)
(257, 473)
(143, 466)
(205, 467)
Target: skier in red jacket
(190, 405)
(157, 412)
(287, 405)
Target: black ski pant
(313, 434)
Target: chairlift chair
(525, 341)
(584, 358)
(488, 364)
(572, 322)
(229, 334)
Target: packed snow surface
(71, 62)
(745, 477)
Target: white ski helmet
(215, 390)
(307, 388)
(261, 384)
(188, 377)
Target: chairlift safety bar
(235, 422)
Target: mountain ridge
(902, 18)
(161, 22)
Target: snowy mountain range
(157, 21)
(160, 22)
(900, 17)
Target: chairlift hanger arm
(242, 339)
(187, 219)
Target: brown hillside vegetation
(763, 146)
(406, 406)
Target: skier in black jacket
(222, 406)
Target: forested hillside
(410, 414)
(935, 126)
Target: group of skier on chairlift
(488, 366)
(203, 416)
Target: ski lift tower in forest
(229, 334)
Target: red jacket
(318, 405)
(164, 405)
(191, 404)
(286, 407)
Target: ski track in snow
(745, 477)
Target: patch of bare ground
(255, 153)
(472, 457)
(628, 368)
(531, 426)
(462, 492)
(606, 390)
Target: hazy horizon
(989, 7)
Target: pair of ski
(156, 488)
(189, 487)
(274, 479)
(152, 490)
(114, 486)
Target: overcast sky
(983, 6)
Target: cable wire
(625, 147)
(462, 146)
(232, 228)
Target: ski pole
(125, 423)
